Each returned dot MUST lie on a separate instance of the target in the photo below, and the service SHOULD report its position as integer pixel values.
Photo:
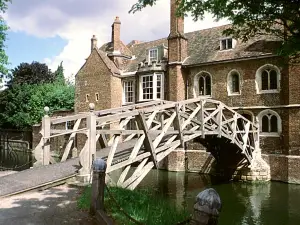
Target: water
(271, 203)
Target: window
(97, 97)
(270, 123)
(226, 44)
(128, 92)
(151, 87)
(233, 83)
(153, 54)
(87, 98)
(205, 84)
(268, 79)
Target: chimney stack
(116, 35)
(176, 23)
(93, 42)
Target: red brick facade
(181, 69)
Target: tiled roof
(110, 64)
(203, 47)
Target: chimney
(93, 42)
(177, 42)
(176, 23)
(115, 37)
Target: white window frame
(124, 91)
(197, 86)
(233, 43)
(154, 86)
(153, 58)
(279, 123)
(71, 123)
(87, 98)
(229, 83)
(258, 80)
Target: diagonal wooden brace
(140, 118)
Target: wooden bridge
(143, 135)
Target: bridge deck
(40, 176)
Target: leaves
(279, 18)
(34, 73)
(21, 106)
(3, 28)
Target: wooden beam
(70, 141)
(68, 118)
(220, 120)
(112, 151)
(164, 130)
(202, 119)
(234, 125)
(140, 118)
(191, 117)
(178, 124)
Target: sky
(51, 31)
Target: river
(271, 203)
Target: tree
(34, 73)
(3, 29)
(22, 106)
(280, 18)
(59, 74)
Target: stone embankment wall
(283, 168)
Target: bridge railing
(149, 130)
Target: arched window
(233, 83)
(268, 79)
(204, 84)
(270, 123)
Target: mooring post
(98, 185)
(207, 208)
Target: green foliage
(59, 74)
(34, 73)
(21, 106)
(3, 28)
(280, 18)
(143, 205)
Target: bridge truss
(144, 134)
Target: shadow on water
(268, 203)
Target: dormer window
(153, 54)
(227, 43)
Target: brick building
(249, 77)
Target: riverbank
(142, 205)
(57, 205)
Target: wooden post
(207, 208)
(98, 185)
(46, 123)
(91, 125)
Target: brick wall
(289, 140)
(94, 77)
(247, 70)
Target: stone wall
(282, 167)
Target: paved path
(54, 206)
(39, 176)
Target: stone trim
(258, 79)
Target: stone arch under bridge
(144, 134)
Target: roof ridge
(210, 28)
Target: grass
(143, 205)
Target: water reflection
(269, 203)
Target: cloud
(76, 21)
